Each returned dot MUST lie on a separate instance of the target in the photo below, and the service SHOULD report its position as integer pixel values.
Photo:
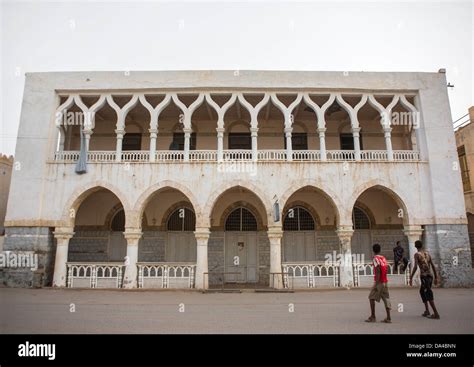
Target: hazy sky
(266, 35)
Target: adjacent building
(465, 144)
(198, 179)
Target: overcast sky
(265, 35)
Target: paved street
(330, 311)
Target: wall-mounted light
(276, 210)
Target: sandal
(387, 321)
(371, 319)
(425, 314)
(434, 317)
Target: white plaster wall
(431, 191)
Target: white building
(198, 178)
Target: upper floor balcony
(254, 126)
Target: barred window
(182, 219)
(360, 219)
(241, 219)
(118, 222)
(298, 219)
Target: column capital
(254, 129)
(187, 130)
(344, 232)
(387, 129)
(63, 233)
(288, 130)
(413, 231)
(220, 129)
(202, 234)
(356, 129)
(322, 130)
(275, 232)
(153, 131)
(87, 131)
(120, 132)
(132, 234)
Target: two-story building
(261, 178)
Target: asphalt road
(324, 311)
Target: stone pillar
(322, 143)
(356, 137)
(118, 149)
(87, 136)
(388, 142)
(413, 234)
(187, 139)
(254, 134)
(289, 147)
(275, 235)
(153, 136)
(346, 276)
(130, 277)
(220, 144)
(62, 235)
(202, 268)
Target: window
(241, 219)
(132, 141)
(360, 219)
(118, 222)
(466, 183)
(182, 219)
(178, 142)
(298, 219)
(299, 141)
(240, 141)
(347, 141)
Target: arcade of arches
(238, 244)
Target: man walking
(380, 288)
(423, 260)
(398, 255)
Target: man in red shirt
(380, 288)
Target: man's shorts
(380, 292)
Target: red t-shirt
(381, 262)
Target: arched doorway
(117, 244)
(240, 249)
(299, 237)
(181, 242)
(361, 242)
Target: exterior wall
(6, 164)
(420, 186)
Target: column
(289, 147)
(356, 137)
(275, 235)
(220, 144)
(413, 234)
(322, 143)
(87, 136)
(346, 276)
(62, 235)
(130, 277)
(153, 136)
(187, 139)
(388, 142)
(118, 149)
(202, 268)
(254, 134)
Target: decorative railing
(310, 275)
(169, 155)
(406, 155)
(135, 156)
(239, 155)
(271, 155)
(373, 155)
(306, 155)
(97, 275)
(166, 275)
(340, 155)
(203, 155)
(364, 274)
(268, 155)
